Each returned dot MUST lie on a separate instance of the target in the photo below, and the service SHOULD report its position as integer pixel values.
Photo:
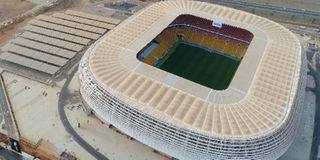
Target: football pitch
(199, 65)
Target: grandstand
(224, 47)
(254, 117)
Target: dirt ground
(302, 4)
(6, 33)
(12, 8)
(279, 16)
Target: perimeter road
(316, 131)
(269, 7)
(5, 112)
(67, 125)
(8, 154)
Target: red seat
(228, 30)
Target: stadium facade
(254, 118)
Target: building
(254, 117)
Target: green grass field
(199, 65)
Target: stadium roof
(258, 100)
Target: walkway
(67, 125)
(316, 131)
(6, 114)
(7, 154)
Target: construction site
(42, 112)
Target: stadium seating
(227, 39)
(207, 24)
(231, 46)
(241, 50)
(149, 60)
(208, 40)
(182, 31)
(219, 43)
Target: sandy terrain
(9, 32)
(12, 8)
(302, 4)
(37, 117)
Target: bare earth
(8, 32)
(302, 4)
(12, 8)
(37, 118)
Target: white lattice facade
(255, 118)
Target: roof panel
(119, 45)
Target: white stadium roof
(261, 101)
(258, 99)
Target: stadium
(196, 80)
